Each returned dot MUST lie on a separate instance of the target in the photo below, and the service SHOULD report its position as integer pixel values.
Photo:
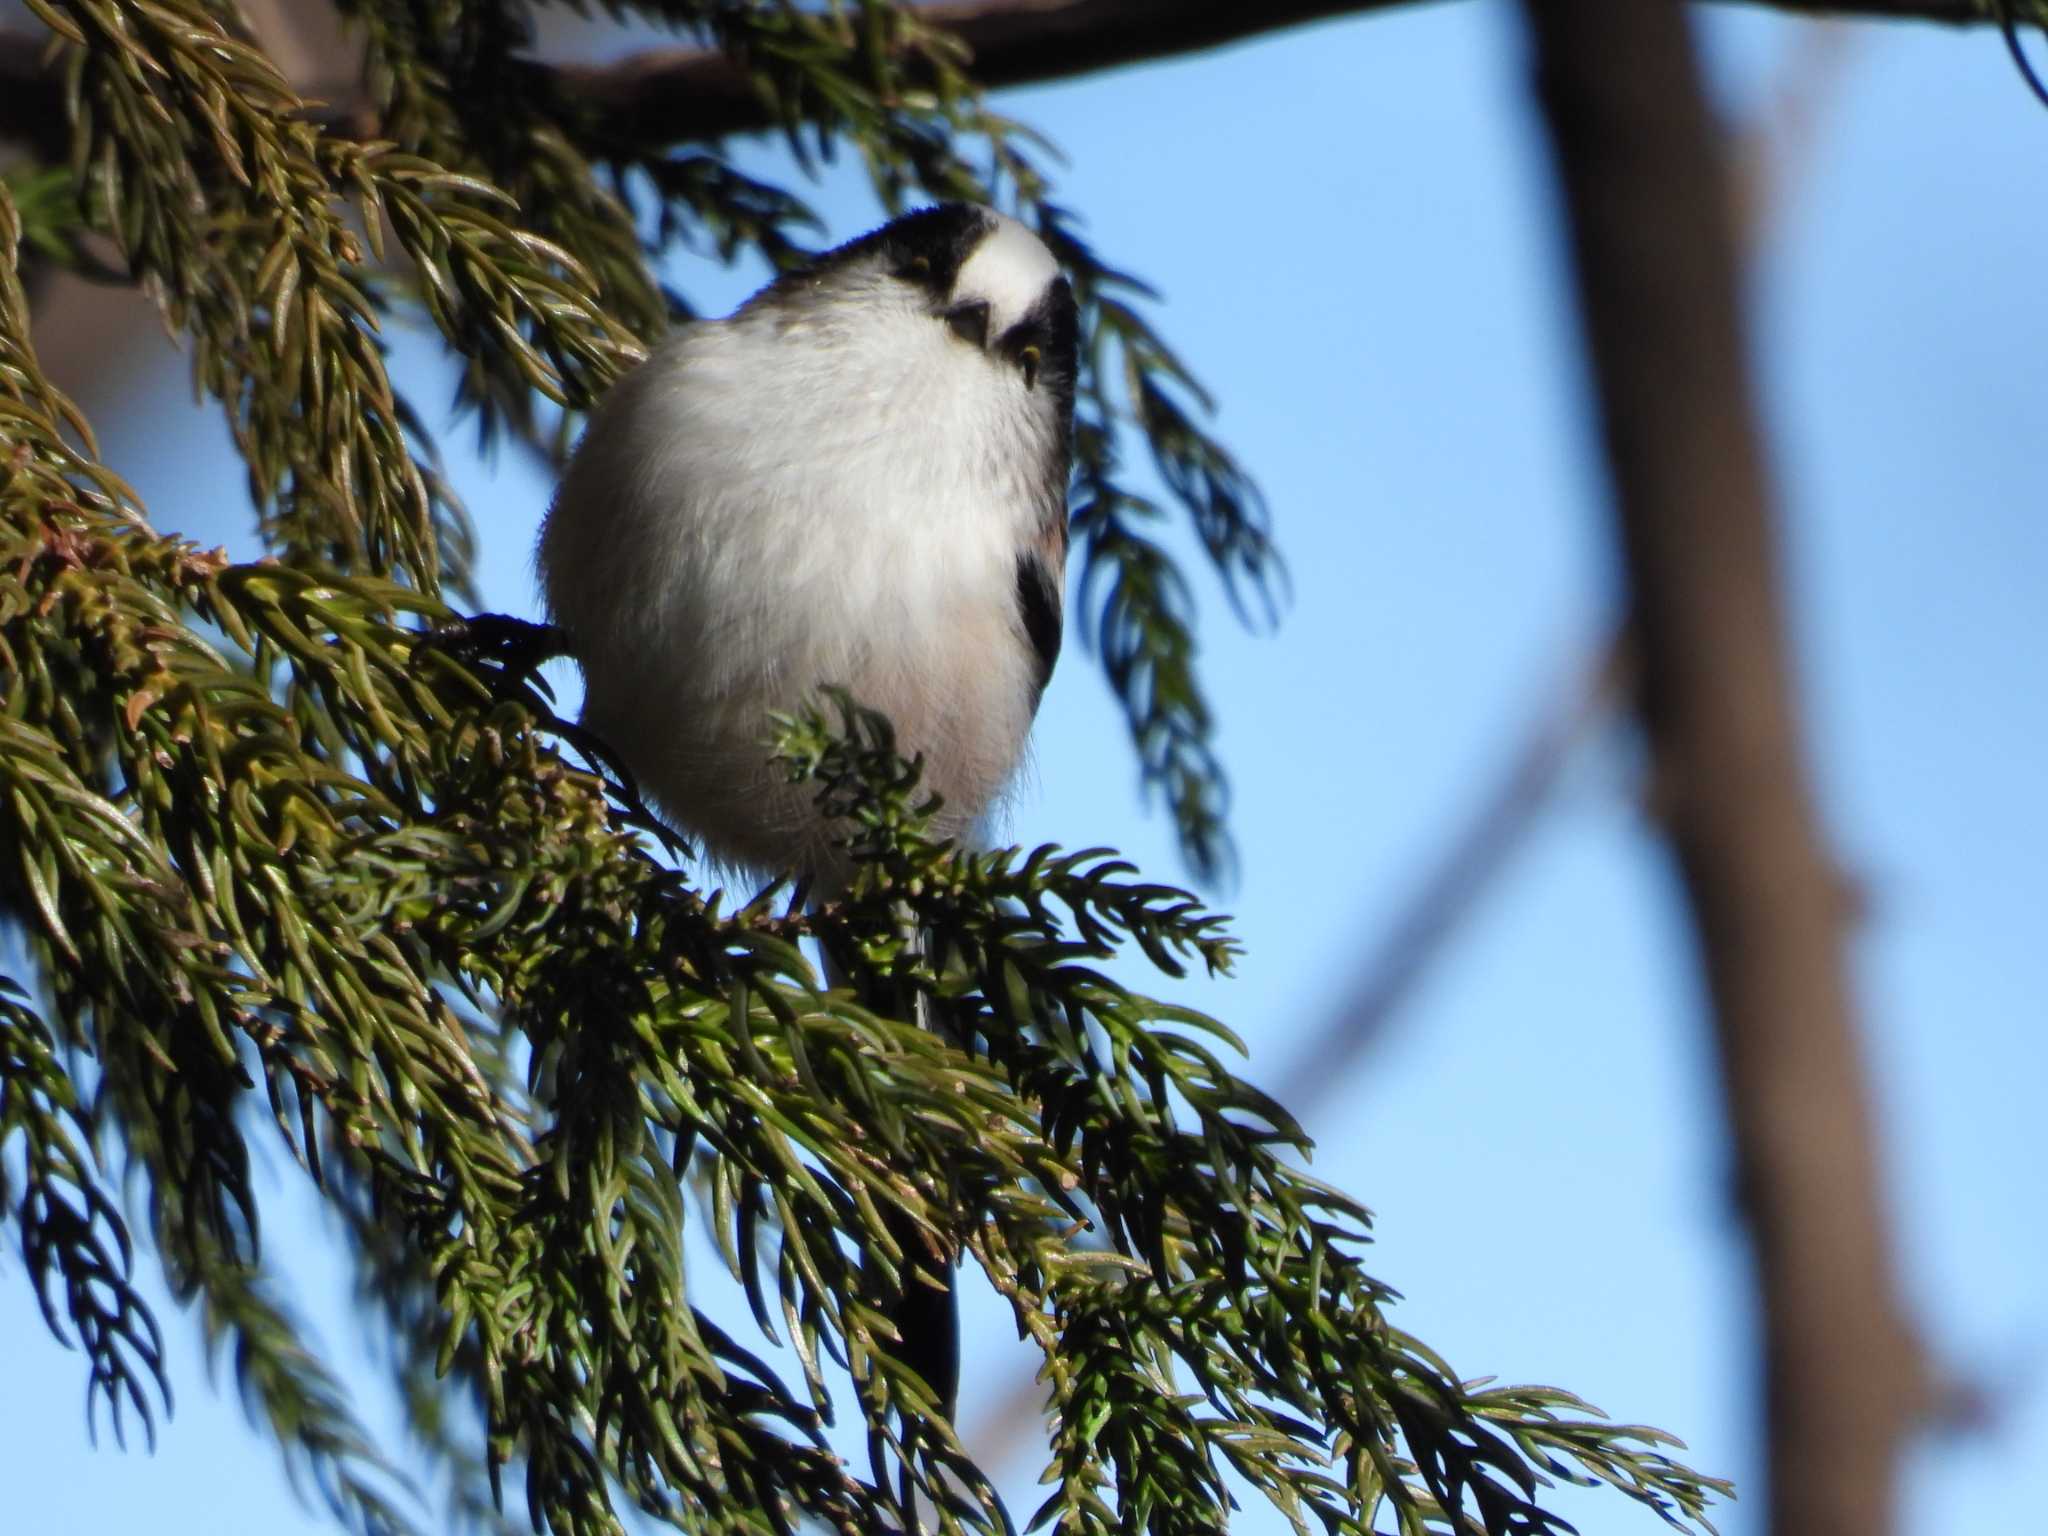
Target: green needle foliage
(298, 857)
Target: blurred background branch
(1451, 887)
(678, 95)
(1660, 295)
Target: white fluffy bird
(858, 479)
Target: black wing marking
(1038, 606)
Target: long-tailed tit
(858, 479)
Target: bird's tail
(926, 1312)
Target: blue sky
(1353, 230)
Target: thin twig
(1451, 889)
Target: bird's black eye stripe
(969, 322)
(1025, 333)
(929, 248)
(1023, 345)
(1044, 339)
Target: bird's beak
(970, 323)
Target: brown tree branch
(1655, 254)
(677, 95)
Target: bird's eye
(918, 266)
(1028, 360)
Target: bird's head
(986, 279)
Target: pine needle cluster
(297, 855)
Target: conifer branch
(74, 1242)
(297, 858)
